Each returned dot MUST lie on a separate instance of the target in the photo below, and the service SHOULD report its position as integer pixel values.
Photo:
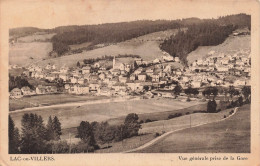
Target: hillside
(232, 43)
(23, 54)
(147, 46)
(228, 136)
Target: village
(144, 78)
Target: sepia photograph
(129, 77)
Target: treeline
(37, 138)
(206, 33)
(18, 82)
(109, 58)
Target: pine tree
(49, 130)
(14, 137)
(56, 128)
(33, 134)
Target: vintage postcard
(114, 82)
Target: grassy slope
(229, 136)
(34, 37)
(20, 53)
(230, 44)
(146, 46)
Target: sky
(53, 13)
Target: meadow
(229, 136)
(231, 44)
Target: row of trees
(92, 134)
(35, 136)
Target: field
(78, 46)
(228, 136)
(146, 46)
(23, 54)
(230, 44)
(36, 37)
(71, 116)
(32, 101)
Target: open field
(230, 44)
(78, 46)
(126, 144)
(23, 54)
(32, 101)
(146, 46)
(228, 136)
(71, 116)
(36, 37)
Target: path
(170, 132)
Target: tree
(49, 130)
(240, 100)
(56, 128)
(246, 91)
(78, 64)
(13, 135)
(107, 133)
(85, 133)
(131, 125)
(177, 89)
(33, 134)
(212, 106)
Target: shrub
(225, 116)
(157, 135)
(148, 120)
(174, 115)
(187, 113)
(218, 110)
(141, 121)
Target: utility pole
(190, 120)
(70, 143)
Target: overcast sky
(53, 13)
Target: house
(105, 91)
(86, 70)
(168, 58)
(177, 59)
(122, 79)
(155, 77)
(239, 83)
(26, 91)
(64, 77)
(79, 89)
(94, 87)
(132, 77)
(119, 87)
(40, 90)
(81, 81)
(222, 68)
(16, 93)
(64, 70)
(134, 85)
(142, 77)
(74, 80)
(102, 76)
(156, 61)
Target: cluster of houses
(27, 91)
(142, 76)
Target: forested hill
(107, 33)
(118, 32)
(207, 33)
